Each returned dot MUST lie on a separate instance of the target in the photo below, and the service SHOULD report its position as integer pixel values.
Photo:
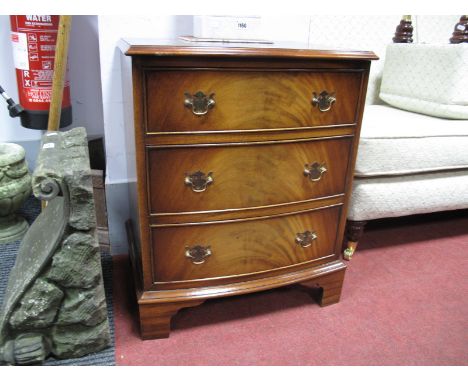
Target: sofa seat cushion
(398, 142)
(375, 198)
(427, 78)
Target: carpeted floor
(405, 302)
(7, 259)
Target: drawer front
(246, 100)
(244, 247)
(207, 178)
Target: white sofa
(413, 150)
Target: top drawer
(248, 100)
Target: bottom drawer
(220, 249)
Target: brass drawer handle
(306, 238)
(200, 103)
(198, 180)
(197, 254)
(324, 100)
(315, 171)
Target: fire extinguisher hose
(14, 108)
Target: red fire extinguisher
(33, 38)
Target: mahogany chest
(244, 160)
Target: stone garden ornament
(15, 188)
(55, 302)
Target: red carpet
(404, 302)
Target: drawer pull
(199, 102)
(324, 100)
(315, 171)
(306, 238)
(198, 180)
(197, 254)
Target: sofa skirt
(393, 196)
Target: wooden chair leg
(354, 232)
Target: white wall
(85, 75)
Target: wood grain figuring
(143, 242)
(353, 156)
(150, 47)
(330, 285)
(156, 308)
(203, 217)
(244, 136)
(238, 63)
(245, 175)
(233, 287)
(242, 247)
(248, 100)
(155, 319)
(255, 141)
(60, 68)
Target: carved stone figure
(55, 302)
(15, 188)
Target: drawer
(242, 247)
(235, 176)
(248, 100)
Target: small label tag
(49, 145)
(20, 50)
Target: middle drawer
(235, 176)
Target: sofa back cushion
(430, 79)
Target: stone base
(12, 228)
(54, 302)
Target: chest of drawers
(244, 159)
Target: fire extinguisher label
(20, 50)
(34, 38)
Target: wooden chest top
(155, 47)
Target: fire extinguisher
(33, 38)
